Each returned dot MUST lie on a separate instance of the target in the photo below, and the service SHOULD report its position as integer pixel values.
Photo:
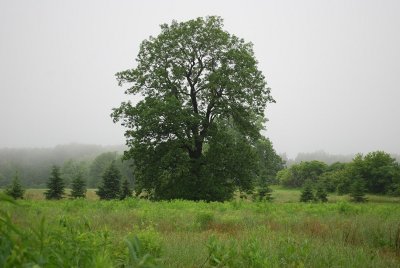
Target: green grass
(239, 233)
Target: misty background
(333, 66)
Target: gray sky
(333, 66)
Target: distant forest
(33, 165)
(324, 157)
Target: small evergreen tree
(55, 185)
(78, 187)
(307, 194)
(357, 191)
(110, 188)
(321, 193)
(15, 189)
(342, 188)
(264, 192)
(125, 190)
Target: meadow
(239, 233)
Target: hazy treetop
(333, 67)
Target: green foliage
(15, 189)
(55, 185)
(70, 243)
(336, 174)
(99, 166)
(297, 174)
(378, 169)
(269, 163)
(137, 255)
(110, 188)
(357, 191)
(204, 219)
(151, 241)
(321, 193)
(78, 187)
(307, 194)
(199, 82)
(125, 190)
(72, 169)
(140, 233)
(263, 192)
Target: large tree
(197, 82)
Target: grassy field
(239, 233)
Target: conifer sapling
(78, 187)
(55, 185)
(125, 190)
(15, 189)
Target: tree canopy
(202, 93)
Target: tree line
(34, 165)
(376, 173)
(112, 186)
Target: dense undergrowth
(140, 233)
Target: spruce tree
(307, 194)
(125, 190)
(110, 188)
(321, 193)
(55, 185)
(264, 192)
(357, 191)
(78, 187)
(15, 189)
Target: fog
(333, 66)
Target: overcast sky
(333, 66)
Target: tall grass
(240, 233)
